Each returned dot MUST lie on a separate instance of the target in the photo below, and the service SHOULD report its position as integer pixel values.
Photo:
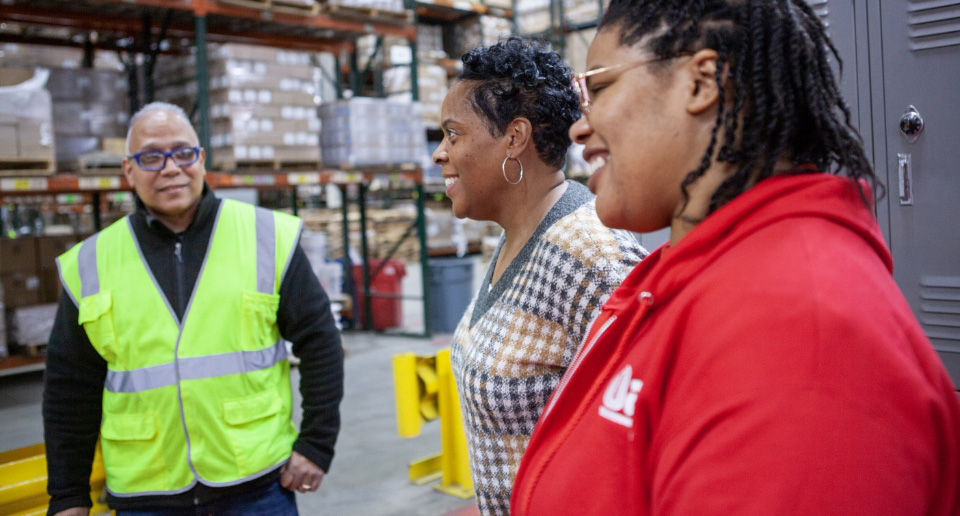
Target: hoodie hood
(828, 197)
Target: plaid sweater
(516, 339)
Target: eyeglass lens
(157, 159)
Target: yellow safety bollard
(23, 491)
(455, 460)
(426, 389)
(415, 388)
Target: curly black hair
(523, 78)
(786, 100)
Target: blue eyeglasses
(154, 160)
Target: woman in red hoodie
(763, 361)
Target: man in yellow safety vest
(168, 346)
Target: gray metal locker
(902, 67)
(918, 147)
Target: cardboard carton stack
(365, 131)
(479, 31)
(19, 272)
(375, 7)
(262, 104)
(26, 134)
(90, 113)
(433, 83)
(533, 16)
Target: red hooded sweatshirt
(765, 365)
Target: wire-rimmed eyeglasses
(583, 89)
(154, 160)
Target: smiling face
(470, 157)
(638, 136)
(172, 193)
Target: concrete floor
(368, 476)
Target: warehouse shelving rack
(129, 26)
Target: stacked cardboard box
(500, 4)
(18, 272)
(89, 107)
(432, 80)
(479, 31)
(430, 42)
(579, 11)
(44, 56)
(385, 227)
(390, 6)
(26, 135)
(262, 104)
(533, 16)
(28, 268)
(366, 131)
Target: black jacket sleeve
(304, 318)
(72, 404)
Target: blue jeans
(273, 501)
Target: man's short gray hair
(157, 106)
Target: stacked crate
(90, 114)
(365, 131)
(479, 31)
(262, 105)
(26, 134)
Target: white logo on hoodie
(621, 397)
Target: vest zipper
(178, 251)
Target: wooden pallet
(98, 164)
(30, 350)
(277, 6)
(367, 13)
(18, 167)
(295, 8)
(264, 166)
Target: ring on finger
(306, 486)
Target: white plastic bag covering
(28, 100)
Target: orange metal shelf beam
(69, 183)
(92, 21)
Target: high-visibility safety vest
(206, 399)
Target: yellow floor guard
(23, 488)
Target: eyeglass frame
(579, 79)
(166, 155)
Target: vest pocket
(254, 425)
(132, 453)
(96, 316)
(258, 324)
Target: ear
(702, 74)
(519, 136)
(127, 166)
(203, 161)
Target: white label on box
(401, 54)
(304, 178)
(98, 183)
(23, 185)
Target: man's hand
(299, 474)
(74, 511)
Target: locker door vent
(822, 9)
(940, 307)
(934, 24)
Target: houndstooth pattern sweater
(516, 339)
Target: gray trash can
(451, 289)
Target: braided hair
(523, 78)
(785, 99)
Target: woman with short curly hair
(505, 124)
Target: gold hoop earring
(503, 168)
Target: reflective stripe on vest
(213, 366)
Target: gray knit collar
(576, 195)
